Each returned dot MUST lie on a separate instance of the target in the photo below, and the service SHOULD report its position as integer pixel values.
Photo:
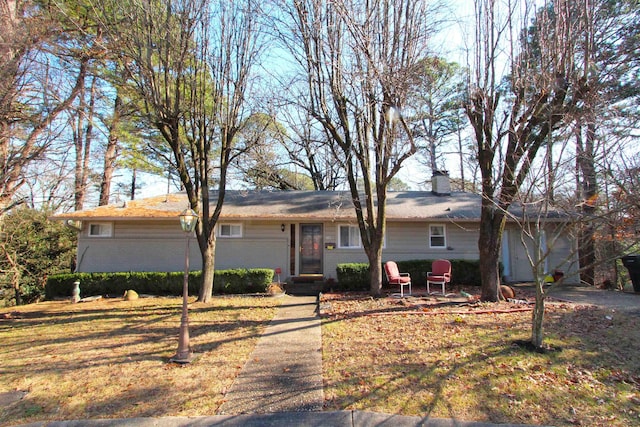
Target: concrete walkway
(284, 372)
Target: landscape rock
(130, 295)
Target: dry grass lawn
(414, 357)
(108, 358)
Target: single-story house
(298, 232)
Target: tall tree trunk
(111, 153)
(589, 193)
(208, 270)
(461, 156)
(489, 245)
(78, 136)
(134, 182)
(82, 136)
(551, 171)
(375, 269)
(16, 288)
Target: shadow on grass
(109, 359)
(68, 340)
(471, 369)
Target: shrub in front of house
(356, 275)
(463, 271)
(242, 281)
(352, 277)
(156, 283)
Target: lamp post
(188, 220)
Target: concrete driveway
(614, 300)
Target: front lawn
(411, 356)
(415, 357)
(108, 358)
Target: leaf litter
(451, 357)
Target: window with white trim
(100, 229)
(437, 236)
(230, 230)
(349, 236)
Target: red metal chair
(394, 277)
(440, 274)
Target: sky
(450, 41)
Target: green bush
(35, 248)
(352, 277)
(240, 281)
(463, 272)
(355, 276)
(115, 284)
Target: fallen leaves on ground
(108, 358)
(447, 357)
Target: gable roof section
(292, 205)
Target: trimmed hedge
(155, 283)
(463, 272)
(242, 281)
(352, 277)
(355, 276)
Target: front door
(311, 248)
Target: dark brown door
(311, 248)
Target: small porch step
(307, 278)
(307, 284)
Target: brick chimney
(440, 184)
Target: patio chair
(394, 277)
(440, 274)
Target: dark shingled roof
(302, 205)
(293, 205)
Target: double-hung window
(100, 229)
(437, 236)
(349, 236)
(230, 230)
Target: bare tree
(358, 59)
(191, 62)
(265, 164)
(32, 95)
(547, 233)
(307, 150)
(610, 64)
(513, 111)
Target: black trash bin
(632, 262)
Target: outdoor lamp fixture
(282, 227)
(188, 220)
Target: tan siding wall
(263, 245)
(159, 246)
(135, 229)
(406, 241)
(560, 257)
(252, 253)
(139, 254)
